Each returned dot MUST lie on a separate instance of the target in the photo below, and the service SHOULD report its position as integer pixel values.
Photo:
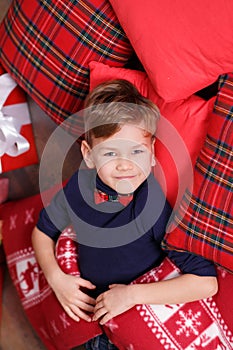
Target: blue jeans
(101, 342)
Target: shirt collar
(111, 195)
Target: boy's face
(123, 160)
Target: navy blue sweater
(116, 243)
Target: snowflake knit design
(194, 325)
(188, 323)
(66, 252)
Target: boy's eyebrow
(112, 148)
(102, 148)
(140, 144)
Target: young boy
(119, 214)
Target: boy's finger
(85, 283)
(77, 312)
(86, 299)
(85, 307)
(99, 313)
(71, 314)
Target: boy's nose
(124, 164)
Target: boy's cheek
(102, 165)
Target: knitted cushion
(54, 327)
(182, 326)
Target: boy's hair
(115, 103)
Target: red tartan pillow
(181, 130)
(54, 327)
(46, 47)
(207, 323)
(183, 48)
(203, 223)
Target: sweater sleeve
(191, 263)
(54, 218)
(185, 261)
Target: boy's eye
(110, 154)
(137, 151)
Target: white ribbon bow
(11, 142)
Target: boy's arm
(66, 287)
(179, 290)
(44, 248)
(182, 289)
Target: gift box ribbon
(11, 142)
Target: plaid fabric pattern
(47, 45)
(204, 222)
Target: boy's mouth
(125, 177)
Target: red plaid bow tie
(101, 197)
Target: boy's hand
(75, 302)
(112, 303)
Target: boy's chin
(125, 187)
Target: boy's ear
(153, 161)
(86, 152)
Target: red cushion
(200, 323)
(46, 47)
(203, 223)
(195, 325)
(54, 327)
(181, 129)
(182, 48)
